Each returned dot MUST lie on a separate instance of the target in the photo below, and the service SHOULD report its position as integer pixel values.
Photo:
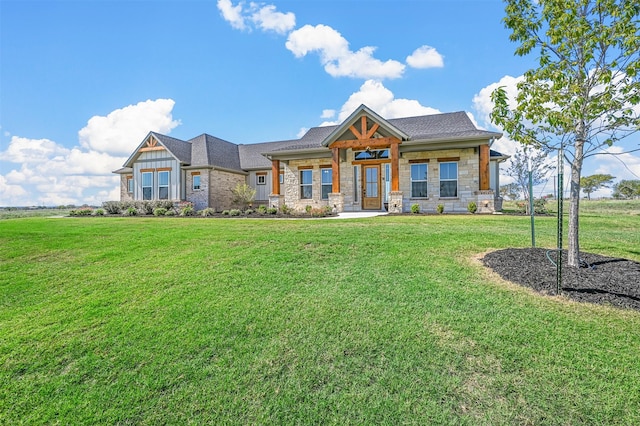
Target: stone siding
(292, 184)
(125, 195)
(216, 189)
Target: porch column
(275, 177)
(395, 167)
(335, 170)
(484, 167)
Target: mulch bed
(600, 279)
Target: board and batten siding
(262, 190)
(155, 161)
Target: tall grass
(383, 320)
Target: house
(365, 163)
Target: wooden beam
(364, 143)
(484, 167)
(151, 148)
(335, 170)
(363, 127)
(395, 166)
(275, 177)
(355, 131)
(372, 131)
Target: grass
(385, 320)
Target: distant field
(386, 320)
(14, 213)
(589, 207)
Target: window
(371, 154)
(261, 179)
(130, 184)
(356, 183)
(327, 183)
(281, 178)
(196, 182)
(448, 179)
(306, 184)
(147, 186)
(419, 180)
(163, 185)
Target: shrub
(235, 212)
(146, 207)
(472, 207)
(308, 209)
(243, 195)
(112, 207)
(131, 211)
(318, 212)
(440, 208)
(272, 210)
(248, 212)
(170, 212)
(207, 212)
(328, 210)
(225, 212)
(98, 212)
(284, 209)
(83, 211)
(187, 211)
(415, 208)
(159, 211)
(262, 209)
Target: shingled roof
(209, 151)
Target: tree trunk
(574, 206)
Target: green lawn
(386, 320)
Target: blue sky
(82, 82)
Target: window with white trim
(261, 179)
(196, 182)
(147, 185)
(419, 180)
(130, 184)
(327, 182)
(163, 185)
(306, 184)
(449, 180)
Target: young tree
(521, 161)
(509, 190)
(626, 189)
(582, 96)
(243, 195)
(591, 184)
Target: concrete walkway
(357, 215)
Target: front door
(371, 187)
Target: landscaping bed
(600, 279)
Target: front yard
(381, 320)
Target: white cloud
(336, 57)
(328, 113)
(425, 57)
(268, 19)
(380, 99)
(123, 129)
(51, 174)
(232, 14)
(23, 150)
(302, 132)
(483, 104)
(618, 163)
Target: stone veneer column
(486, 201)
(336, 201)
(276, 200)
(395, 202)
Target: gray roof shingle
(207, 150)
(179, 148)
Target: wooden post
(484, 167)
(395, 166)
(335, 170)
(275, 177)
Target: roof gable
(364, 123)
(207, 150)
(177, 148)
